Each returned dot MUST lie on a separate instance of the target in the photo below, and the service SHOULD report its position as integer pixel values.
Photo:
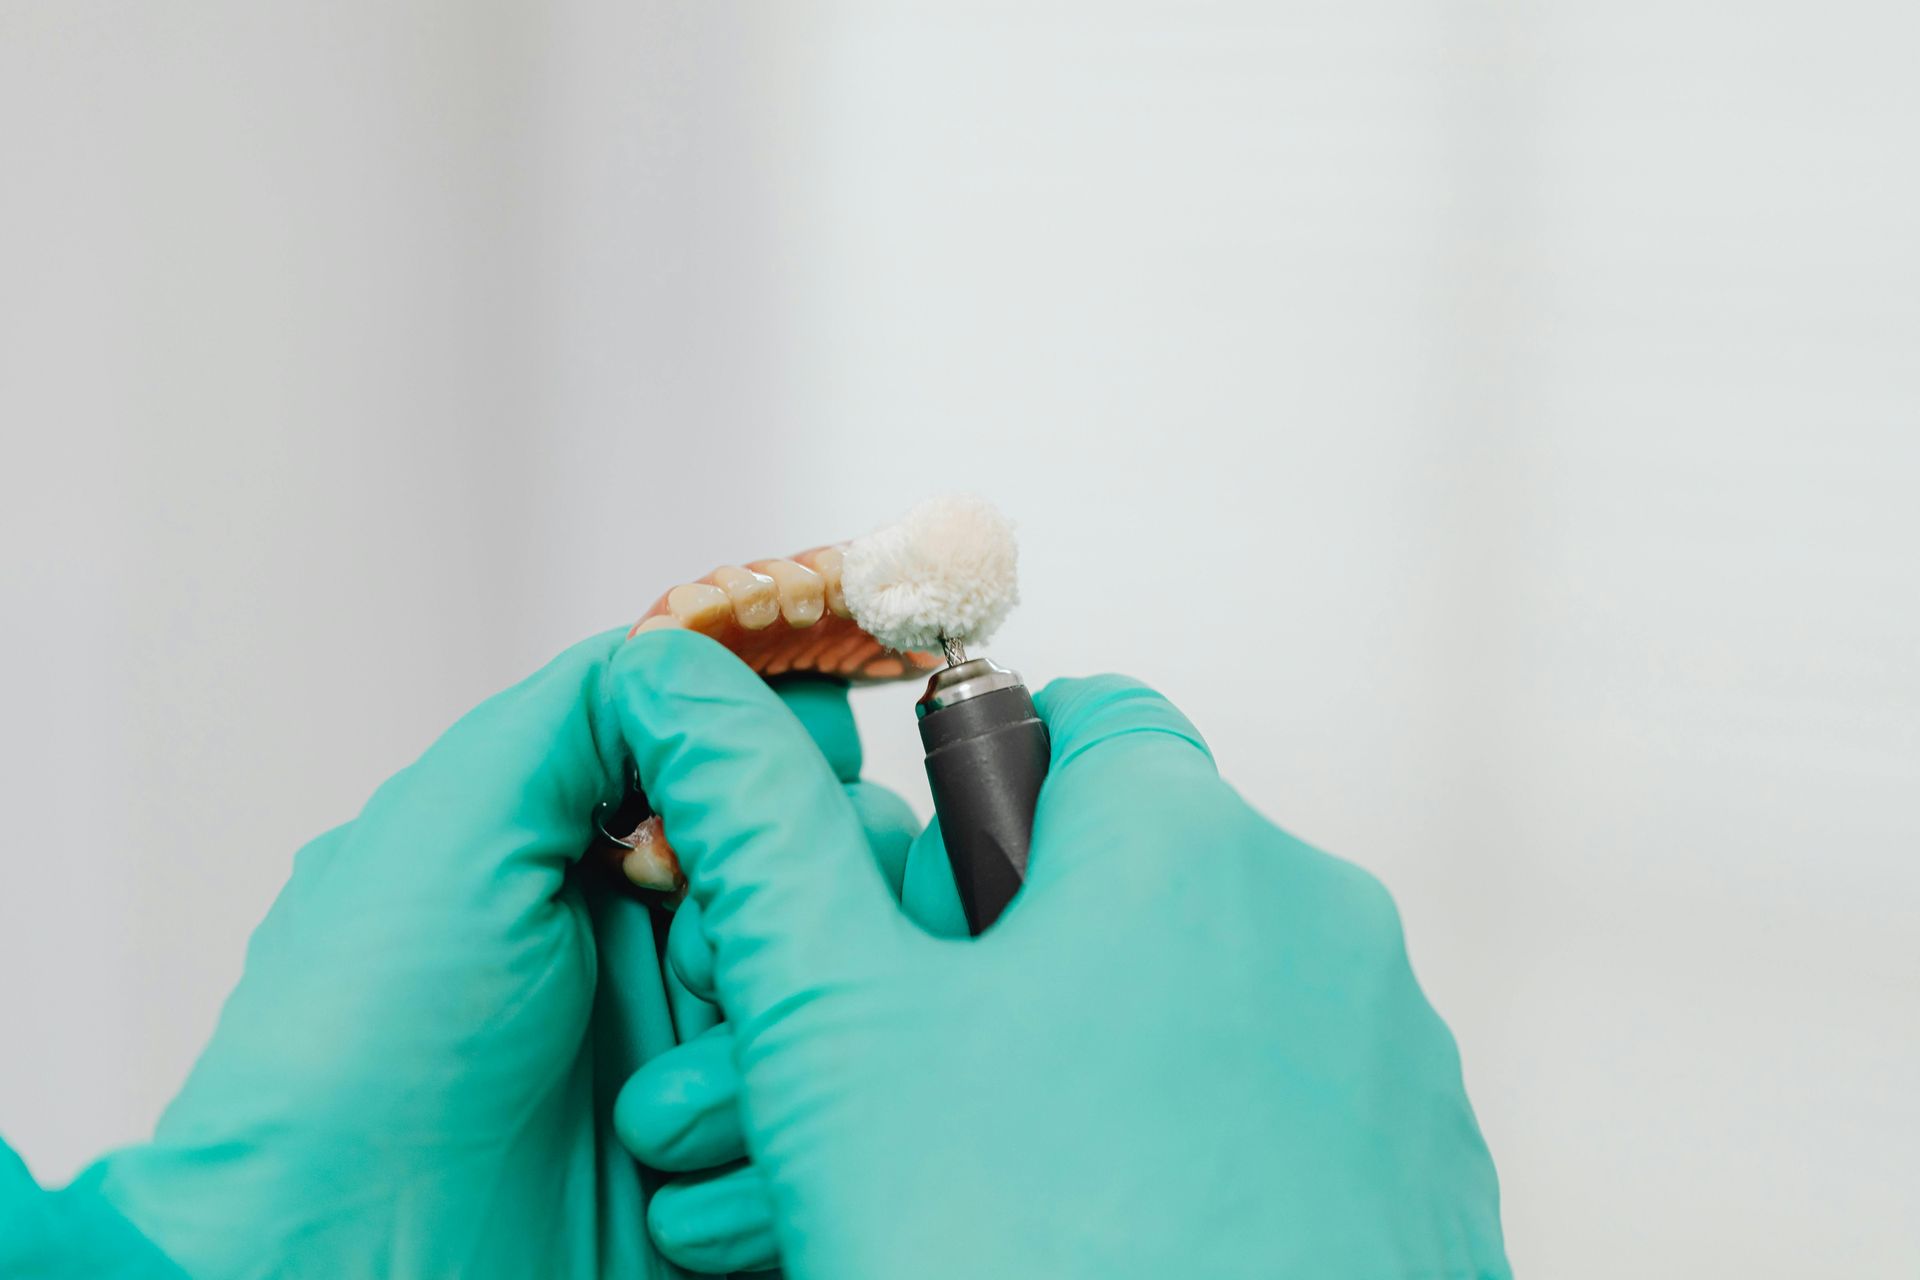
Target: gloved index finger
(771, 846)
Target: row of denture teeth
(754, 596)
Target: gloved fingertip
(692, 1015)
(654, 670)
(680, 1111)
(715, 1223)
(689, 954)
(1083, 712)
(928, 894)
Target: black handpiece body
(987, 754)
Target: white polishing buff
(947, 569)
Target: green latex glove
(58, 1235)
(1192, 1047)
(414, 1075)
(680, 1113)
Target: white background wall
(1498, 426)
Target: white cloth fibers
(947, 568)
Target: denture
(781, 617)
(784, 616)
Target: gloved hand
(414, 1073)
(1192, 1046)
(681, 1114)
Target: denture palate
(780, 617)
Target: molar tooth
(803, 596)
(700, 607)
(756, 600)
(827, 562)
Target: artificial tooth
(651, 863)
(803, 596)
(659, 622)
(827, 562)
(700, 607)
(756, 600)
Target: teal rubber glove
(680, 1114)
(59, 1235)
(415, 1074)
(1192, 1046)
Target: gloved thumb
(772, 848)
(1124, 759)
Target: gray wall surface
(1497, 426)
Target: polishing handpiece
(942, 576)
(987, 754)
